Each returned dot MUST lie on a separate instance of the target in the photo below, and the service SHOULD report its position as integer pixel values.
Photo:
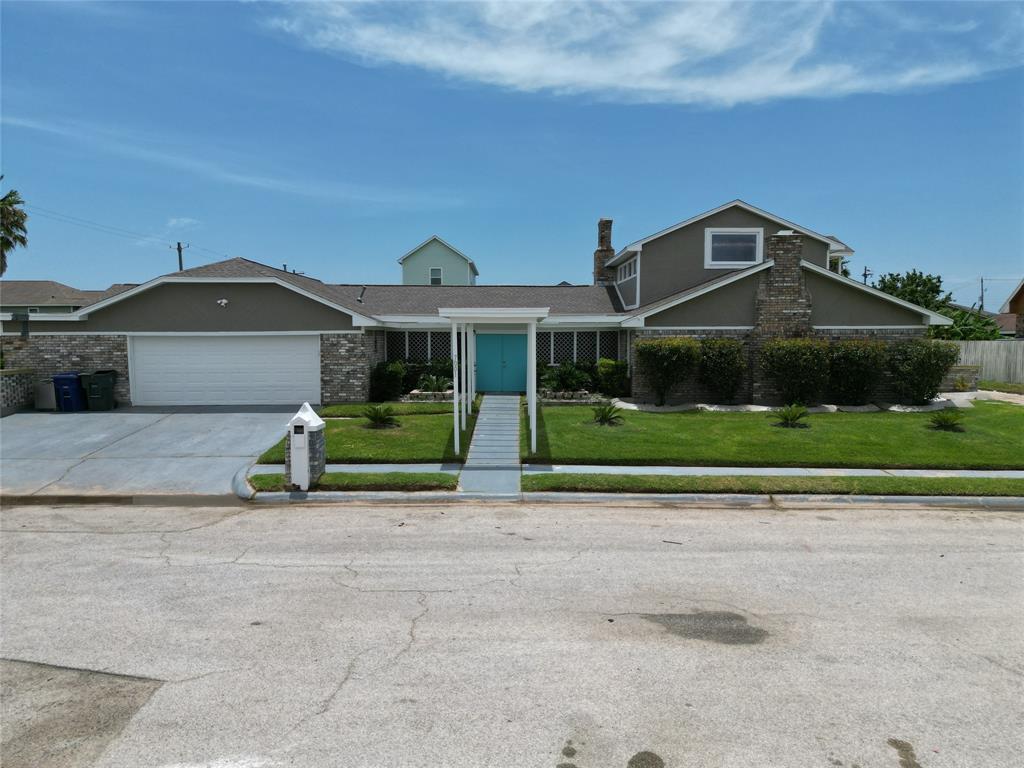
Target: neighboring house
(33, 296)
(240, 332)
(434, 262)
(1011, 315)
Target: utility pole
(981, 301)
(180, 248)
(866, 274)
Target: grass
(993, 438)
(400, 409)
(888, 486)
(366, 481)
(421, 438)
(1001, 386)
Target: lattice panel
(440, 345)
(543, 347)
(396, 345)
(610, 345)
(418, 346)
(563, 346)
(586, 346)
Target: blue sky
(335, 137)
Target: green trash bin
(99, 389)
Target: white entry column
(531, 383)
(455, 382)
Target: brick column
(782, 308)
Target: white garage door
(225, 370)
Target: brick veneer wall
(782, 310)
(17, 389)
(345, 363)
(48, 355)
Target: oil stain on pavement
(714, 626)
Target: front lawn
(1002, 386)
(421, 438)
(993, 438)
(356, 409)
(366, 481)
(875, 486)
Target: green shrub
(568, 377)
(430, 382)
(380, 416)
(947, 420)
(386, 381)
(789, 416)
(612, 377)
(607, 415)
(797, 367)
(917, 367)
(666, 362)
(722, 365)
(855, 368)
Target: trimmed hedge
(613, 377)
(722, 365)
(567, 377)
(855, 368)
(666, 361)
(386, 381)
(917, 367)
(798, 368)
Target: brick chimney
(604, 275)
(783, 305)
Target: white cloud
(182, 156)
(717, 54)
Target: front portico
(501, 355)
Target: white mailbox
(306, 447)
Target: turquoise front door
(501, 362)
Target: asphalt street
(608, 636)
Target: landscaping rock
(869, 408)
(823, 409)
(628, 405)
(935, 405)
(746, 408)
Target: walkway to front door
(501, 362)
(492, 465)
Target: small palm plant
(607, 415)
(947, 420)
(789, 416)
(380, 416)
(431, 383)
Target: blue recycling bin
(67, 387)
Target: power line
(108, 229)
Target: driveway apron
(492, 465)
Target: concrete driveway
(512, 636)
(133, 451)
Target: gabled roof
(449, 246)
(638, 244)
(1013, 293)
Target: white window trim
(710, 232)
(430, 275)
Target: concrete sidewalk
(492, 464)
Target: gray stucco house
(240, 332)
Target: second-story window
(627, 270)
(435, 276)
(732, 247)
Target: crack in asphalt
(152, 532)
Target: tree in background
(917, 288)
(12, 225)
(968, 325)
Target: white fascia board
(934, 318)
(637, 321)
(357, 319)
(638, 245)
(494, 314)
(603, 320)
(57, 316)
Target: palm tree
(12, 225)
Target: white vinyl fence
(1000, 360)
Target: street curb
(137, 500)
(240, 484)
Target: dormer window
(626, 271)
(733, 247)
(436, 276)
